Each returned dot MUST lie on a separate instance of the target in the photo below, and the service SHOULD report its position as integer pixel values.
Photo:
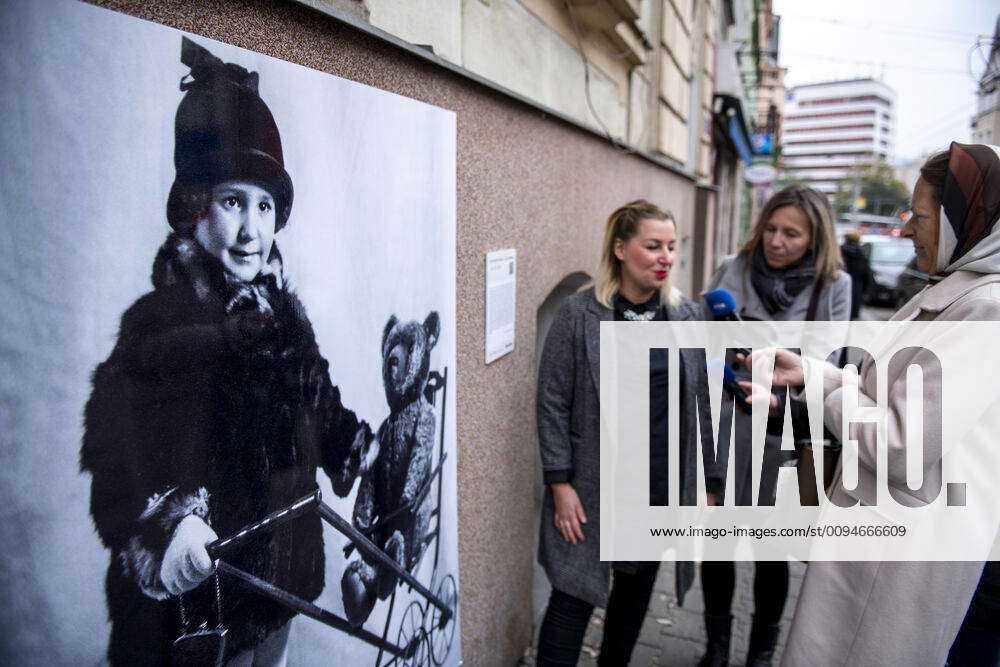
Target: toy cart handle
(313, 611)
(298, 508)
(366, 547)
(305, 504)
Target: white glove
(186, 562)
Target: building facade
(770, 109)
(642, 73)
(831, 127)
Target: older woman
(633, 284)
(215, 407)
(789, 269)
(907, 613)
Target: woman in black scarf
(789, 269)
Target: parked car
(910, 281)
(841, 228)
(866, 223)
(888, 257)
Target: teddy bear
(386, 509)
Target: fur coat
(215, 402)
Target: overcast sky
(924, 49)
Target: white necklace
(639, 317)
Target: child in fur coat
(215, 407)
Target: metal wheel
(441, 634)
(412, 638)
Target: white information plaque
(501, 290)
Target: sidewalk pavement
(675, 636)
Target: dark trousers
(975, 647)
(566, 618)
(770, 588)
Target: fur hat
(224, 131)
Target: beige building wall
(434, 23)
(652, 68)
(646, 60)
(532, 47)
(705, 50)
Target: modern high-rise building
(986, 122)
(830, 127)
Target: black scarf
(777, 288)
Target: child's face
(238, 228)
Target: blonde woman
(633, 283)
(789, 269)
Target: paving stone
(694, 600)
(650, 631)
(645, 656)
(680, 653)
(661, 604)
(665, 579)
(588, 655)
(595, 630)
(686, 625)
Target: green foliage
(876, 183)
(784, 180)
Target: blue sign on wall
(762, 143)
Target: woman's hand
(186, 562)
(756, 393)
(787, 366)
(569, 512)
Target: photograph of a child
(240, 378)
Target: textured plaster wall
(525, 180)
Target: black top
(659, 412)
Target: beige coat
(891, 613)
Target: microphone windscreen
(721, 302)
(728, 375)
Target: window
(830, 128)
(839, 114)
(843, 100)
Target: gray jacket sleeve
(840, 298)
(554, 400)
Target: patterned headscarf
(968, 236)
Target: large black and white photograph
(228, 356)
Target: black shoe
(718, 630)
(763, 639)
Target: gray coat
(834, 303)
(569, 436)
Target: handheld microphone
(723, 306)
(730, 385)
